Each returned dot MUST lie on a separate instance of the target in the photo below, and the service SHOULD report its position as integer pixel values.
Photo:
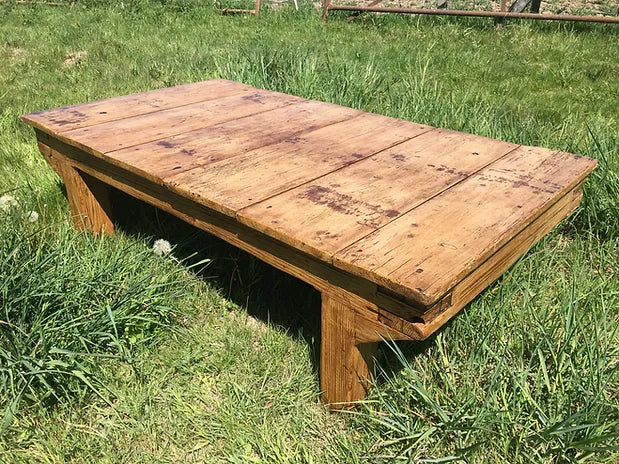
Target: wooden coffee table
(398, 225)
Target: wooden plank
(204, 147)
(115, 135)
(243, 180)
(424, 253)
(88, 197)
(465, 291)
(345, 366)
(331, 212)
(89, 114)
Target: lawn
(110, 353)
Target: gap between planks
(329, 256)
(164, 181)
(238, 218)
(125, 164)
(69, 137)
(537, 196)
(150, 107)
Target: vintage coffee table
(398, 225)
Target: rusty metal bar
(359, 13)
(482, 14)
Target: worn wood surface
(198, 151)
(326, 215)
(59, 120)
(260, 174)
(345, 364)
(410, 208)
(398, 224)
(89, 198)
(128, 132)
(427, 251)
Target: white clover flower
(162, 247)
(7, 202)
(32, 216)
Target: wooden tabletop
(410, 207)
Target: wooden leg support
(89, 198)
(345, 364)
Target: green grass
(111, 354)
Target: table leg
(345, 364)
(89, 198)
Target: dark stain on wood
(70, 117)
(165, 143)
(521, 181)
(370, 215)
(254, 97)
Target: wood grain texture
(67, 118)
(204, 147)
(260, 174)
(333, 211)
(135, 130)
(467, 289)
(424, 253)
(345, 366)
(89, 198)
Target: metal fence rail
(328, 6)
